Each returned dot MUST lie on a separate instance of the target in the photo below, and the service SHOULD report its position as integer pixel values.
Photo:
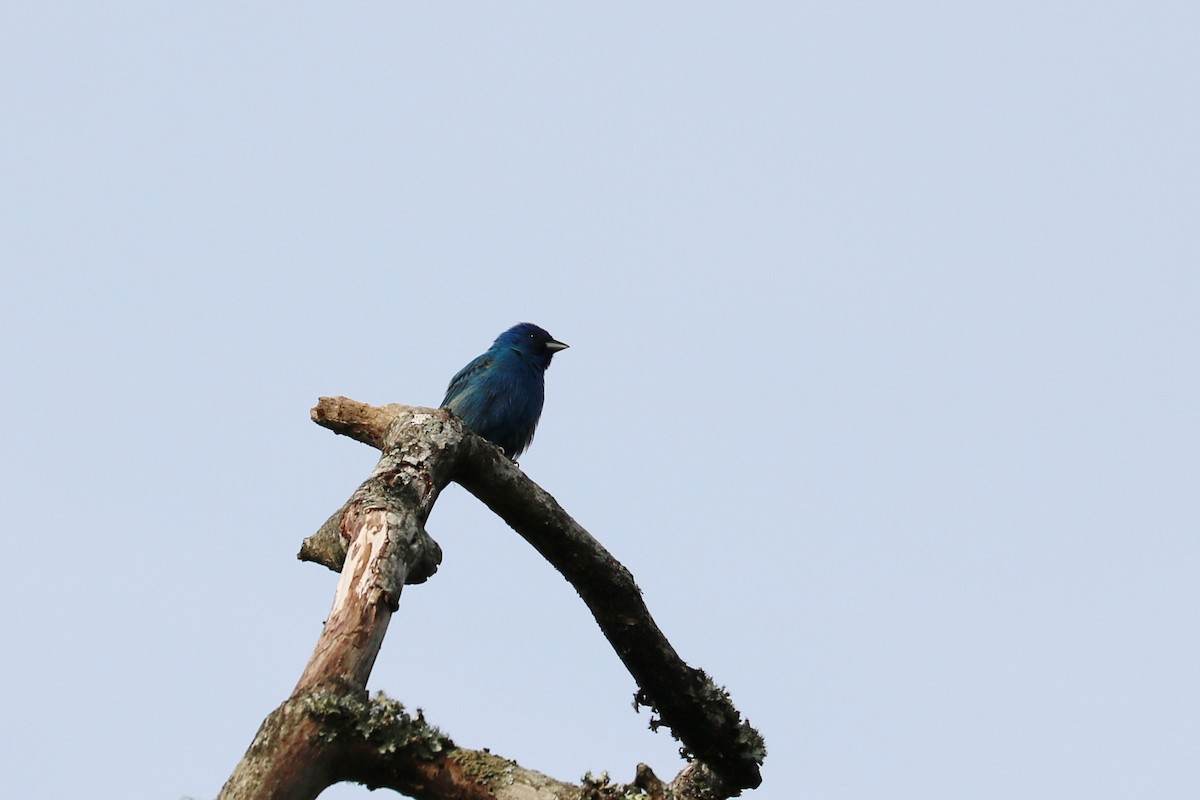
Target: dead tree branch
(329, 731)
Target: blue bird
(499, 395)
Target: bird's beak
(554, 346)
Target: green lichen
(601, 787)
(704, 782)
(595, 781)
(749, 741)
(485, 768)
(381, 722)
(752, 742)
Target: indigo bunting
(499, 395)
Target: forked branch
(329, 731)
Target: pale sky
(883, 377)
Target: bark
(698, 712)
(329, 731)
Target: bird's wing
(463, 380)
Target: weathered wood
(698, 712)
(381, 529)
(328, 731)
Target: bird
(499, 394)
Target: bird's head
(532, 342)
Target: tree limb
(328, 731)
(698, 712)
